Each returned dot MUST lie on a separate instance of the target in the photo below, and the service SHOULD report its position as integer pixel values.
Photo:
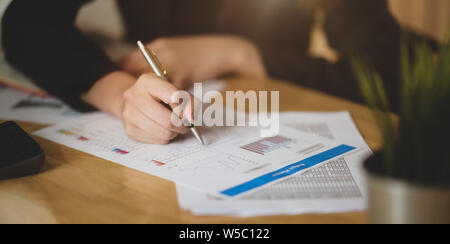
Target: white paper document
(15, 105)
(336, 186)
(236, 162)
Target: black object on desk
(20, 155)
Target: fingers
(143, 129)
(150, 105)
(167, 93)
(189, 109)
(145, 118)
(160, 89)
(157, 112)
(139, 135)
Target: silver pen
(153, 61)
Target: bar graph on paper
(268, 145)
(105, 138)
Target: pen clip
(155, 58)
(153, 61)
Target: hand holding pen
(144, 111)
(165, 100)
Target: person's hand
(201, 58)
(140, 105)
(145, 118)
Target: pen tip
(200, 139)
(197, 135)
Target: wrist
(107, 93)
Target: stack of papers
(336, 186)
(16, 105)
(312, 166)
(235, 163)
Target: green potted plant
(409, 179)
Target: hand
(201, 58)
(144, 117)
(138, 104)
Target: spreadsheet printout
(334, 187)
(16, 105)
(236, 161)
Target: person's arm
(190, 59)
(41, 40)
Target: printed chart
(268, 145)
(235, 161)
(332, 180)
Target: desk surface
(75, 187)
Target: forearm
(40, 39)
(107, 93)
(199, 58)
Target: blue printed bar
(288, 170)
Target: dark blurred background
(303, 41)
(430, 17)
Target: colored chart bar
(82, 138)
(120, 151)
(65, 132)
(267, 145)
(288, 170)
(158, 163)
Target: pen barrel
(156, 66)
(153, 61)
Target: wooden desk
(75, 187)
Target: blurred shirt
(41, 40)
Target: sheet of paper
(21, 106)
(15, 105)
(337, 186)
(235, 163)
